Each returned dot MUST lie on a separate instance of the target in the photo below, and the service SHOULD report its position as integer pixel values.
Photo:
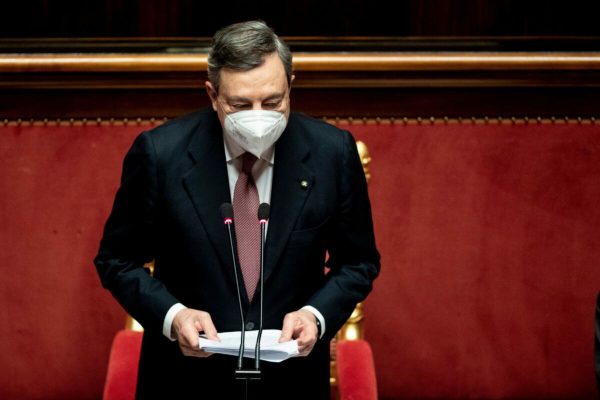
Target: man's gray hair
(243, 46)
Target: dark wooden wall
(144, 18)
(384, 84)
(565, 82)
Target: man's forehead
(269, 77)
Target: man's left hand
(300, 325)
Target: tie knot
(248, 160)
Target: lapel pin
(304, 184)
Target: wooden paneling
(386, 84)
(344, 70)
(343, 103)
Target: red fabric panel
(356, 371)
(488, 236)
(490, 259)
(121, 376)
(57, 184)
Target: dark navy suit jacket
(167, 209)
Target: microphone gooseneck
(226, 210)
(263, 217)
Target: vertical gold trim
(353, 328)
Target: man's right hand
(187, 325)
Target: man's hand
(300, 325)
(186, 326)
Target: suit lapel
(292, 183)
(207, 185)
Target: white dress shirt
(262, 172)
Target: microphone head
(263, 211)
(226, 210)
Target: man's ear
(212, 94)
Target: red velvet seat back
(122, 373)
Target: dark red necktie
(247, 228)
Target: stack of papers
(270, 348)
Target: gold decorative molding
(446, 61)
(313, 70)
(365, 158)
(565, 120)
(33, 63)
(82, 121)
(363, 151)
(337, 62)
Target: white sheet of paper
(270, 348)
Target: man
(247, 149)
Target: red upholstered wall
(488, 234)
(490, 258)
(56, 185)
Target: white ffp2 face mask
(255, 130)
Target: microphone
(226, 210)
(263, 212)
(263, 217)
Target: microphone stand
(227, 212)
(240, 373)
(263, 215)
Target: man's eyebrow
(275, 96)
(239, 99)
